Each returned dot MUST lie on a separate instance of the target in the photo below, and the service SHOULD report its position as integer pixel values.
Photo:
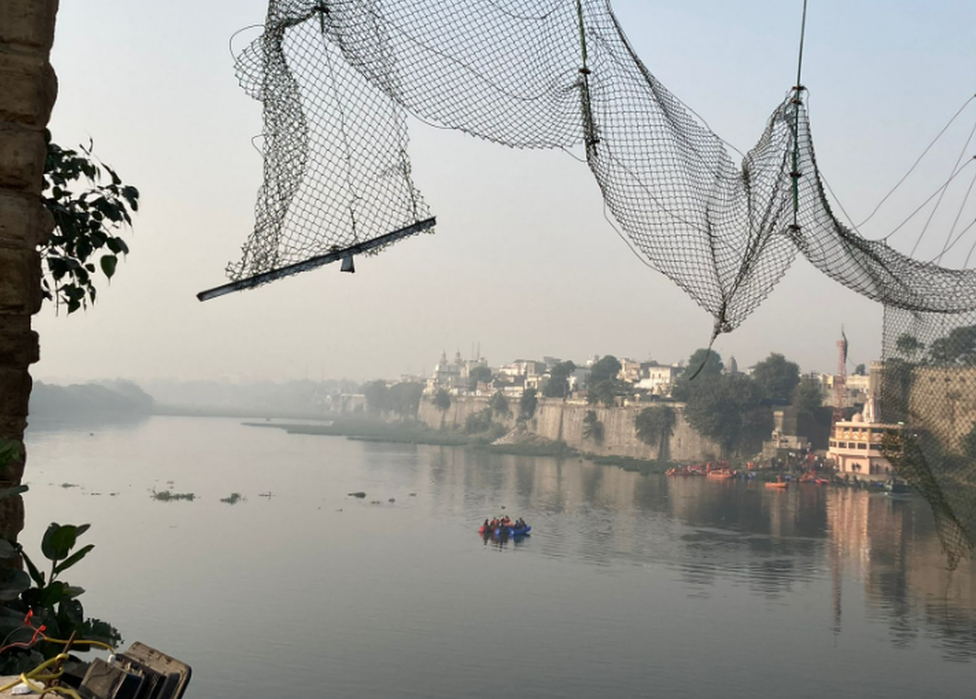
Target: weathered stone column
(28, 88)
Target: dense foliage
(604, 369)
(479, 422)
(558, 384)
(527, 404)
(909, 346)
(777, 377)
(88, 215)
(655, 426)
(702, 364)
(402, 398)
(605, 392)
(499, 404)
(807, 397)
(441, 400)
(592, 427)
(730, 410)
(479, 374)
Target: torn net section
(337, 78)
(336, 170)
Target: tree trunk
(28, 88)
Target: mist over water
(629, 585)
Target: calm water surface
(629, 586)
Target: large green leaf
(59, 540)
(7, 550)
(73, 558)
(108, 263)
(36, 575)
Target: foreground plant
(39, 610)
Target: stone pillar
(28, 88)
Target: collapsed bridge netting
(338, 77)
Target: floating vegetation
(392, 499)
(360, 494)
(70, 485)
(169, 495)
(232, 499)
(268, 494)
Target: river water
(628, 586)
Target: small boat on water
(897, 487)
(505, 531)
(721, 474)
(782, 485)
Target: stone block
(30, 89)
(18, 343)
(20, 281)
(24, 222)
(22, 153)
(28, 23)
(15, 386)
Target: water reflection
(770, 542)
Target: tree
(88, 213)
(377, 396)
(909, 346)
(777, 377)
(527, 404)
(499, 404)
(730, 410)
(703, 364)
(558, 384)
(707, 360)
(807, 396)
(478, 374)
(605, 392)
(654, 427)
(860, 370)
(404, 398)
(604, 369)
(478, 422)
(958, 347)
(592, 427)
(442, 401)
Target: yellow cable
(41, 689)
(43, 666)
(81, 641)
(34, 674)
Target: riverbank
(366, 430)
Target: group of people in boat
(505, 522)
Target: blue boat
(512, 531)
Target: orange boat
(720, 474)
(777, 484)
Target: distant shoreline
(364, 430)
(250, 413)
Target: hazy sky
(523, 261)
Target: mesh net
(337, 78)
(928, 390)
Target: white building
(856, 446)
(659, 380)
